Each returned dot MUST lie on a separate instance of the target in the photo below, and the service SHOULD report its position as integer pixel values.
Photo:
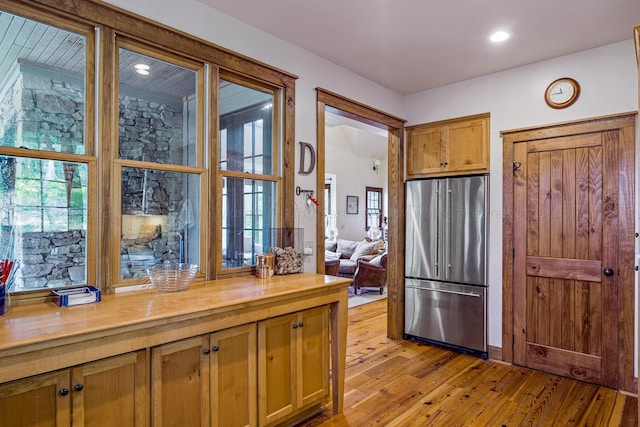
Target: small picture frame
(352, 205)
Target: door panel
(466, 230)
(563, 304)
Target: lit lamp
(376, 165)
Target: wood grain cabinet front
(206, 380)
(456, 146)
(109, 392)
(293, 364)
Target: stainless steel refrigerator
(446, 266)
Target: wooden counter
(43, 338)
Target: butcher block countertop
(44, 337)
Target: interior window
(160, 182)
(44, 156)
(247, 146)
(373, 207)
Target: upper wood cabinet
(451, 147)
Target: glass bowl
(171, 276)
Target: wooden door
(313, 355)
(43, 400)
(180, 383)
(566, 256)
(233, 377)
(111, 392)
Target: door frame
(395, 127)
(625, 125)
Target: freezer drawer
(452, 314)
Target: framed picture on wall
(352, 205)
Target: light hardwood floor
(403, 383)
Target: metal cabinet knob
(215, 348)
(608, 272)
(206, 351)
(79, 387)
(64, 392)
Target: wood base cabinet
(210, 377)
(293, 363)
(109, 392)
(457, 146)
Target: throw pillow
(346, 247)
(330, 256)
(363, 248)
(330, 246)
(377, 260)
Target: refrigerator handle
(438, 237)
(448, 236)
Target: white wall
(354, 173)
(608, 77)
(202, 21)
(515, 98)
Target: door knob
(608, 272)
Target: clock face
(562, 93)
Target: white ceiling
(415, 45)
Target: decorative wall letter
(304, 146)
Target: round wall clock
(562, 93)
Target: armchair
(371, 275)
(331, 267)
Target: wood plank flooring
(404, 383)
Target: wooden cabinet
(109, 392)
(234, 377)
(451, 147)
(207, 377)
(293, 363)
(186, 359)
(180, 383)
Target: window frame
(119, 163)
(275, 176)
(101, 24)
(368, 191)
(89, 158)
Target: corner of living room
(355, 191)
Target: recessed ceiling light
(499, 36)
(142, 69)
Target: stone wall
(51, 259)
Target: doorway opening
(331, 103)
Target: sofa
(349, 252)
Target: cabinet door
(112, 392)
(43, 401)
(467, 146)
(233, 377)
(276, 365)
(180, 383)
(425, 151)
(313, 356)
